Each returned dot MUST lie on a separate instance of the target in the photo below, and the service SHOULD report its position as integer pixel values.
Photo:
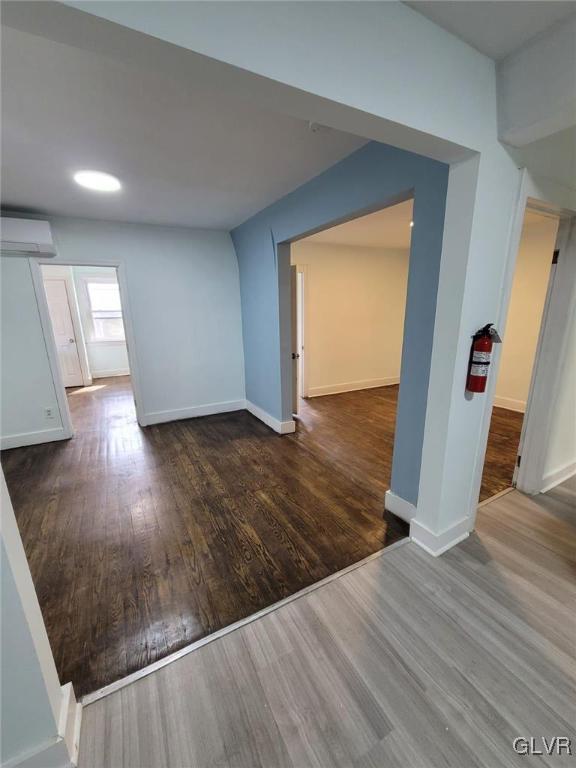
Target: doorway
(298, 284)
(532, 280)
(87, 321)
(349, 286)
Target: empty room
(85, 311)
(175, 501)
(287, 384)
(350, 304)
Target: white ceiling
(495, 28)
(389, 228)
(186, 153)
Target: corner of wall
(438, 543)
(399, 506)
(282, 427)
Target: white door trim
(295, 352)
(548, 363)
(50, 344)
(35, 264)
(304, 270)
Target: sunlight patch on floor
(91, 388)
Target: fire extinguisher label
(478, 370)
(480, 357)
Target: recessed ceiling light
(411, 223)
(97, 181)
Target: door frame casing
(304, 270)
(51, 349)
(548, 364)
(66, 275)
(298, 322)
(528, 195)
(296, 386)
(36, 272)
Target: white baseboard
(111, 373)
(438, 543)
(352, 386)
(209, 409)
(62, 750)
(70, 721)
(399, 506)
(34, 438)
(510, 404)
(552, 479)
(282, 427)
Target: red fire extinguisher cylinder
(480, 359)
(480, 364)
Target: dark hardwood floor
(141, 541)
(501, 451)
(356, 429)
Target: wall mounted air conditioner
(26, 237)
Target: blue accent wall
(371, 178)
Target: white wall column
(40, 719)
(482, 198)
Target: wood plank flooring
(357, 430)
(501, 451)
(406, 662)
(143, 541)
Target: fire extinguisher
(480, 354)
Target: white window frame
(92, 338)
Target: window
(105, 310)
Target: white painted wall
(537, 87)
(552, 168)
(24, 697)
(31, 696)
(560, 461)
(356, 298)
(184, 301)
(529, 288)
(27, 388)
(447, 88)
(551, 164)
(106, 358)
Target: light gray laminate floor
(406, 661)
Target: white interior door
(295, 349)
(300, 334)
(64, 334)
